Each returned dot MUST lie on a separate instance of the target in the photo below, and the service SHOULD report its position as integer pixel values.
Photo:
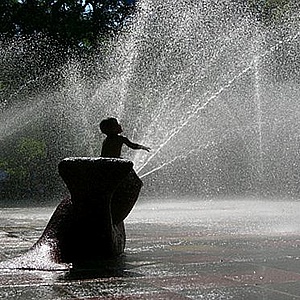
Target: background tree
(74, 23)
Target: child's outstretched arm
(145, 148)
(135, 145)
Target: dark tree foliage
(70, 22)
(8, 10)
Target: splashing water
(205, 85)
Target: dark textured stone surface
(89, 225)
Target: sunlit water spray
(194, 113)
(18, 117)
(254, 67)
(259, 114)
(181, 81)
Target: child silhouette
(114, 141)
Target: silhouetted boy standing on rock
(113, 142)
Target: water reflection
(113, 268)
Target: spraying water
(205, 85)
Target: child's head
(110, 126)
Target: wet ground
(229, 249)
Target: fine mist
(212, 90)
